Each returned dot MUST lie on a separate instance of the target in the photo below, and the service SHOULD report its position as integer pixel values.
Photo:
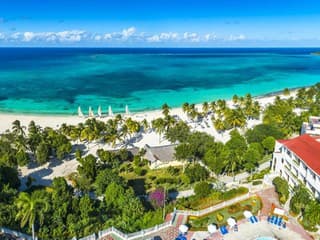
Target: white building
(312, 127)
(298, 161)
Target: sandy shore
(44, 174)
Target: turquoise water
(58, 80)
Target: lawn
(219, 217)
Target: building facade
(298, 161)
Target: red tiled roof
(307, 149)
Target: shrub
(140, 171)
(157, 197)
(173, 171)
(247, 207)
(257, 183)
(219, 217)
(202, 189)
(234, 208)
(282, 188)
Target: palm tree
(213, 106)
(165, 109)
(30, 209)
(235, 99)
(159, 126)
(17, 129)
(145, 125)
(205, 108)
(185, 107)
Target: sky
(160, 23)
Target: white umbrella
(212, 228)
(231, 222)
(127, 110)
(91, 114)
(99, 111)
(183, 228)
(80, 114)
(110, 113)
(247, 214)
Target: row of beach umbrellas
(213, 228)
(99, 112)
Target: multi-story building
(298, 161)
(312, 127)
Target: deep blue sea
(58, 80)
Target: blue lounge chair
(284, 225)
(251, 219)
(272, 219)
(223, 230)
(181, 237)
(280, 221)
(269, 219)
(255, 219)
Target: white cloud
(236, 37)
(210, 37)
(97, 37)
(63, 36)
(154, 38)
(126, 33)
(192, 37)
(163, 37)
(28, 36)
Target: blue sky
(160, 23)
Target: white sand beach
(47, 172)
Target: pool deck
(246, 230)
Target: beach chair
(223, 230)
(255, 219)
(235, 228)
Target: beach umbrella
(127, 110)
(80, 114)
(99, 111)
(231, 222)
(183, 228)
(212, 228)
(247, 214)
(110, 113)
(91, 114)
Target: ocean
(58, 80)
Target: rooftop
(307, 149)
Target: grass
(196, 203)
(253, 204)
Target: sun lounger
(223, 230)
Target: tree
(312, 213)
(262, 131)
(237, 147)
(196, 173)
(42, 152)
(178, 133)
(202, 189)
(88, 167)
(300, 199)
(159, 125)
(268, 143)
(165, 109)
(216, 157)
(282, 188)
(30, 209)
(104, 178)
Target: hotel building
(298, 161)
